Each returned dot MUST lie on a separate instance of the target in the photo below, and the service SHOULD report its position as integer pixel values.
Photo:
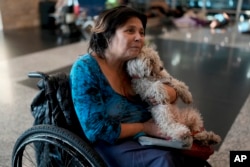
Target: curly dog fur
(148, 78)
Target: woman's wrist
(131, 129)
(141, 131)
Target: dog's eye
(161, 68)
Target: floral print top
(99, 108)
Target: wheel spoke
(46, 145)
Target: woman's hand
(151, 129)
(171, 93)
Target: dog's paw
(186, 97)
(207, 138)
(186, 138)
(215, 139)
(182, 91)
(187, 141)
(183, 134)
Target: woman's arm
(131, 129)
(171, 93)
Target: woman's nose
(138, 37)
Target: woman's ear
(102, 40)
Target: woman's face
(128, 40)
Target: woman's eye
(142, 33)
(130, 30)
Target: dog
(183, 124)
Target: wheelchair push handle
(38, 74)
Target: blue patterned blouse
(99, 108)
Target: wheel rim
(26, 155)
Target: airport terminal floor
(214, 64)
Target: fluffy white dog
(148, 79)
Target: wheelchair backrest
(53, 104)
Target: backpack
(53, 104)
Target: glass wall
(246, 5)
(212, 4)
(93, 7)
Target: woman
(109, 111)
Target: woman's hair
(107, 23)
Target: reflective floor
(214, 64)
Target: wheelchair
(54, 139)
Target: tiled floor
(215, 65)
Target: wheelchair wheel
(47, 145)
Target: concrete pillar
(238, 10)
(19, 13)
(1, 23)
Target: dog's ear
(154, 68)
